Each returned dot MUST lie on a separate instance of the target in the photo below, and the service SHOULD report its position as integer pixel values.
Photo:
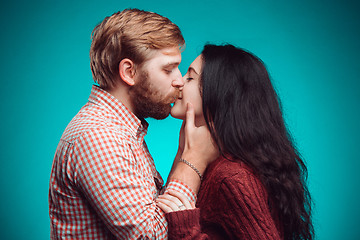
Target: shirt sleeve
(181, 187)
(116, 188)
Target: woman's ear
(127, 71)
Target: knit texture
(232, 204)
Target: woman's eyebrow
(193, 69)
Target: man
(103, 182)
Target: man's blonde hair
(129, 34)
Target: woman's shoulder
(229, 171)
(229, 167)
(230, 178)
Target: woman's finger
(174, 199)
(163, 206)
(175, 206)
(184, 200)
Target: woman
(256, 188)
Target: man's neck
(121, 93)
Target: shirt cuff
(181, 187)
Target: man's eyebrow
(172, 64)
(193, 69)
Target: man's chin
(160, 117)
(161, 113)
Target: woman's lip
(175, 100)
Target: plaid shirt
(103, 181)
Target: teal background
(311, 49)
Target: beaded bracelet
(192, 166)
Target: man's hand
(199, 149)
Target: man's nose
(178, 81)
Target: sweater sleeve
(185, 225)
(238, 210)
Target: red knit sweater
(232, 204)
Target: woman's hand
(173, 201)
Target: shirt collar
(121, 113)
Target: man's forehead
(171, 51)
(166, 56)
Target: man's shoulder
(93, 119)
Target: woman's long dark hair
(243, 113)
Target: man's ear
(127, 71)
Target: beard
(147, 102)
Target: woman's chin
(177, 115)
